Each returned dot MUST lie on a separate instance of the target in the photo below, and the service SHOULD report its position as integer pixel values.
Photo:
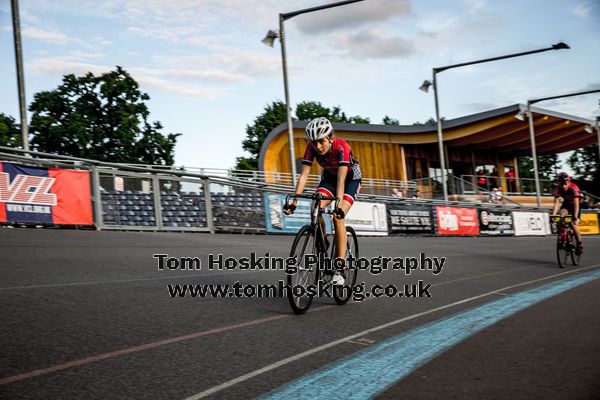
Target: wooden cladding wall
(377, 160)
(379, 157)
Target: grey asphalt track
(87, 315)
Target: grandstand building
(480, 142)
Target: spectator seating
(182, 209)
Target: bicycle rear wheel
(299, 297)
(562, 250)
(342, 293)
(573, 246)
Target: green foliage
(548, 165)
(99, 117)
(586, 165)
(390, 121)
(584, 162)
(430, 121)
(308, 110)
(10, 134)
(273, 115)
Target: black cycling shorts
(571, 209)
(328, 187)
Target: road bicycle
(566, 243)
(311, 240)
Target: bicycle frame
(316, 211)
(324, 271)
(564, 226)
(564, 243)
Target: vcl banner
(277, 222)
(368, 218)
(410, 219)
(495, 223)
(44, 195)
(589, 224)
(457, 221)
(531, 223)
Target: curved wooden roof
(496, 130)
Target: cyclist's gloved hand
(289, 209)
(339, 213)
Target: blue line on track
(371, 371)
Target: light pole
(598, 134)
(268, 40)
(426, 84)
(20, 79)
(536, 175)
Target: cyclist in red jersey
(341, 178)
(571, 204)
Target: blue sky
(208, 74)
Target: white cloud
(366, 44)
(224, 63)
(103, 41)
(47, 36)
(198, 13)
(164, 85)
(472, 108)
(163, 33)
(474, 6)
(353, 15)
(438, 23)
(147, 78)
(582, 10)
(64, 65)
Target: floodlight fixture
(425, 86)
(270, 38)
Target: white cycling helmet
(318, 128)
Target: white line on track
(55, 285)
(51, 285)
(87, 360)
(312, 351)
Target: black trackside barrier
(495, 223)
(405, 219)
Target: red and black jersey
(570, 194)
(338, 155)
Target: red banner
(44, 195)
(457, 221)
(3, 188)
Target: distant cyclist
(570, 205)
(341, 178)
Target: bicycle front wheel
(562, 250)
(342, 294)
(573, 245)
(299, 297)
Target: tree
(548, 166)
(273, 115)
(390, 121)
(584, 162)
(99, 117)
(308, 110)
(430, 121)
(10, 134)
(256, 134)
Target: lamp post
(598, 134)
(20, 79)
(426, 84)
(268, 40)
(536, 175)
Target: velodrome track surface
(87, 315)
